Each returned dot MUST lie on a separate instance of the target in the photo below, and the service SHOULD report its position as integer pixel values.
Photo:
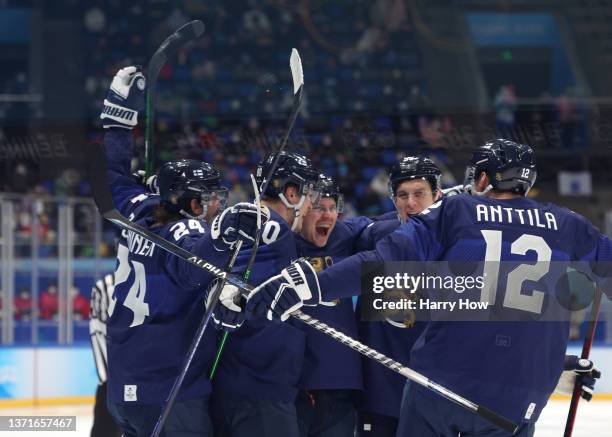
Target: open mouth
(323, 229)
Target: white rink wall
(51, 374)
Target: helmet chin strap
(195, 217)
(294, 206)
(399, 217)
(396, 324)
(480, 193)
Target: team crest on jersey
(129, 393)
(320, 263)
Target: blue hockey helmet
(414, 167)
(292, 168)
(510, 166)
(328, 188)
(186, 179)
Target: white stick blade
(296, 70)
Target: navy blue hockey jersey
(263, 359)
(158, 299)
(382, 387)
(510, 367)
(327, 363)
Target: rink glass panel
(52, 251)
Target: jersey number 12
(513, 298)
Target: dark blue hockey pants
(326, 413)
(187, 419)
(255, 418)
(429, 415)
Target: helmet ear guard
(306, 190)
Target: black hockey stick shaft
(98, 180)
(297, 104)
(104, 203)
(171, 45)
(586, 350)
(297, 74)
(406, 372)
(213, 302)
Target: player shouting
(509, 367)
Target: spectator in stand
(23, 305)
(565, 109)
(505, 109)
(80, 304)
(49, 303)
(419, 106)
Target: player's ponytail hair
(164, 216)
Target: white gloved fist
(149, 183)
(227, 315)
(238, 222)
(579, 370)
(125, 99)
(279, 296)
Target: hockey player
(158, 299)
(331, 374)
(414, 184)
(256, 383)
(509, 367)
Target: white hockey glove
(238, 222)
(150, 183)
(227, 315)
(125, 99)
(280, 295)
(457, 189)
(581, 370)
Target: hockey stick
(169, 47)
(297, 74)
(406, 372)
(214, 300)
(245, 277)
(104, 203)
(98, 180)
(586, 350)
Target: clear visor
(338, 208)
(215, 200)
(312, 193)
(468, 178)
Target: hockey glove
(578, 370)
(227, 315)
(238, 222)
(280, 295)
(125, 99)
(150, 183)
